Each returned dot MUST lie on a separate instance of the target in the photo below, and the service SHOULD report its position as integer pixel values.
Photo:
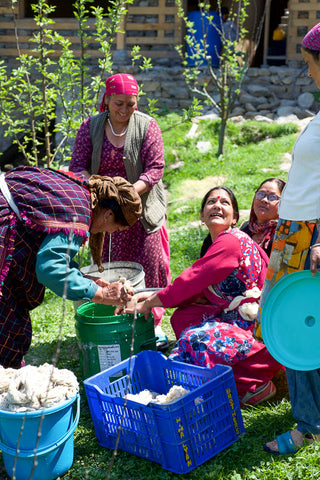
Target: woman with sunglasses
(263, 215)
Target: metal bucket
(113, 271)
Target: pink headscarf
(312, 39)
(120, 84)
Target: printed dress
(218, 301)
(151, 251)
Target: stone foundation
(267, 93)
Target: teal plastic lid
(290, 321)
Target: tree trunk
(222, 133)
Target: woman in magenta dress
(121, 141)
(217, 299)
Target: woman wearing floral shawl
(217, 301)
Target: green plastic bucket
(105, 339)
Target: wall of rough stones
(267, 93)
(271, 92)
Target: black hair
(116, 209)
(280, 183)
(314, 53)
(233, 199)
(225, 11)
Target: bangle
(315, 245)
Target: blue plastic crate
(180, 435)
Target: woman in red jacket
(217, 299)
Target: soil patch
(198, 188)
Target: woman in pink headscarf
(122, 141)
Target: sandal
(162, 342)
(261, 394)
(286, 445)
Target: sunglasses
(272, 197)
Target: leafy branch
(51, 90)
(234, 59)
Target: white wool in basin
(33, 388)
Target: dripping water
(109, 259)
(114, 453)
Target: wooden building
(151, 24)
(304, 14)
(155, 26)
(295, 18)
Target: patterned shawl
(263, 232)
(48, 201)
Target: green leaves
(51, 90)
(227, 77)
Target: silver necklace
(114, 133)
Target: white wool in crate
(32, 388)
(174, 393)
(146, 396)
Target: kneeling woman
(217, 303)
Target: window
(302, 31)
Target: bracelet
(315, 245)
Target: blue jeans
(304, 390)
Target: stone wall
(267, 93)
(270, 91)
(277, 92)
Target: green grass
(242, 165)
